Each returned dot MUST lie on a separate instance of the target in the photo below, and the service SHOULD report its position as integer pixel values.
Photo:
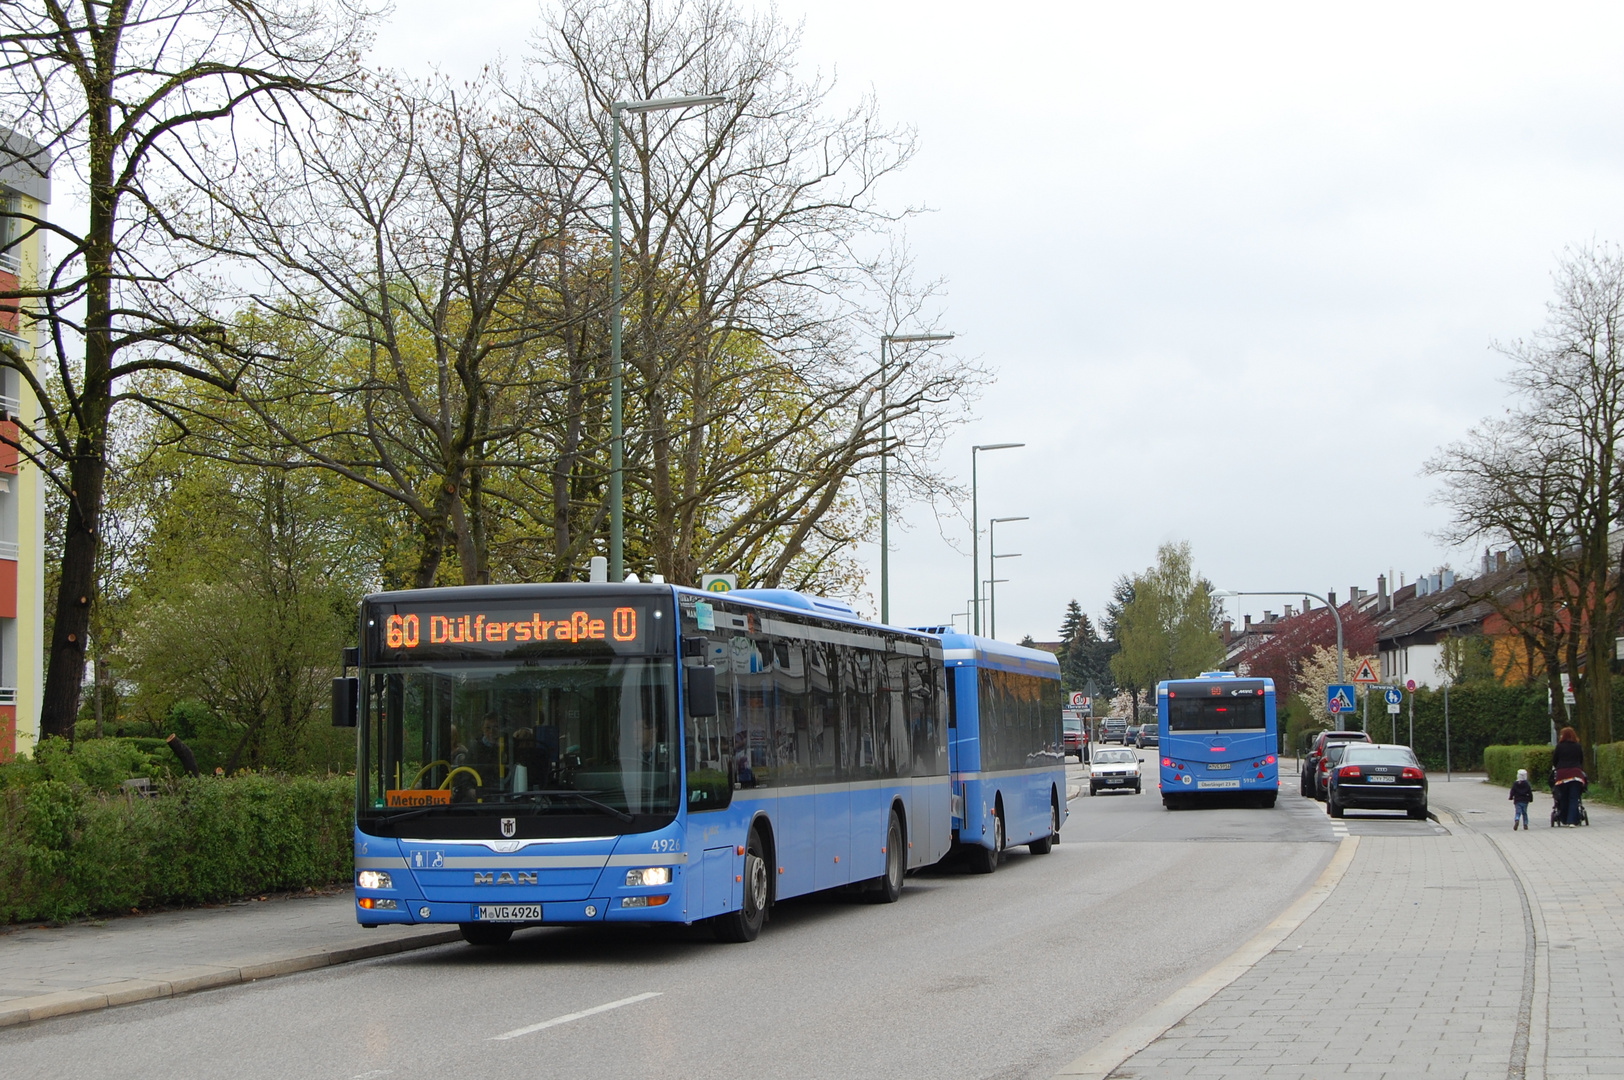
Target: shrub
(1502, 763)
(69, 849)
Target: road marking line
(1107, 1055)
(555, 1021)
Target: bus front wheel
(745, 924)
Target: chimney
(1228, 626)
(1499, 560)
(1247, 626)
(1488, 561)
(1331, 596)
(1449, 579)
(1382, 603)
(1353, 594)
(1290, 612)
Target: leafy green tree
(1166, 631)
(243, 595)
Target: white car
(1114, 770)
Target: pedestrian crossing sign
(1339, 698)
(1366, 673)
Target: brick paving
(1424, 962)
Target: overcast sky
(1239, 267)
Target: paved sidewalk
(51, 971)
(1482, 953)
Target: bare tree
(1548, 478)
(401, 335)
(753, 403)
(139, 99)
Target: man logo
(510, 826)
(506, 877)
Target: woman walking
(1568, 765)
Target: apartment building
(25, 188)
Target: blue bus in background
(1217, 739)
(577, 753)
(1007, 749)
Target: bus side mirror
(346, 699)
(701, 682)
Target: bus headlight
(373, 879)
(654, 875)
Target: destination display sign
(441, 631)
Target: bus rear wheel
(887, 888)
(985, 860)
(486, 934)
(1043, 847)
(745, 924)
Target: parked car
(1112, 729)
(1075, 735)
(1130, 737)
(1114, 770)
(1378, 776)
(1313, 775)
(1149, 735)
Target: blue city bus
(587, 753)
(1007, 751)
(1217, 739)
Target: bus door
(795, 666)
(829, 736)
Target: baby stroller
(1584, 815)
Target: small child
(1522, 793)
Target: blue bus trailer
(535, 755)
(1217, 734)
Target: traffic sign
(1339, 698)
(1394, 696)
(1079, 698)
(719, 582)
(1410, 686)
(1366, 673)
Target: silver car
(1114, 770)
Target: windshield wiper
(437, 808)
(583, 796)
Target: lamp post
(993, 557)
(975, 527)
(1298, 592)
(886, 340)
(617, 520)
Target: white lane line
(555, 1021)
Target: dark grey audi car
(1377, 776)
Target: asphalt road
(1006, 976)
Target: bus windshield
(552, 736)
(1216, 714)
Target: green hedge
(68, 849)
(1502, 763)
(1480, 715)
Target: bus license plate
(1221, 767)
(508, 913)
(1217, 783)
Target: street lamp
(885, 450)
(993, 557)
(975, 526)
(1221, 593)
(617, 521)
